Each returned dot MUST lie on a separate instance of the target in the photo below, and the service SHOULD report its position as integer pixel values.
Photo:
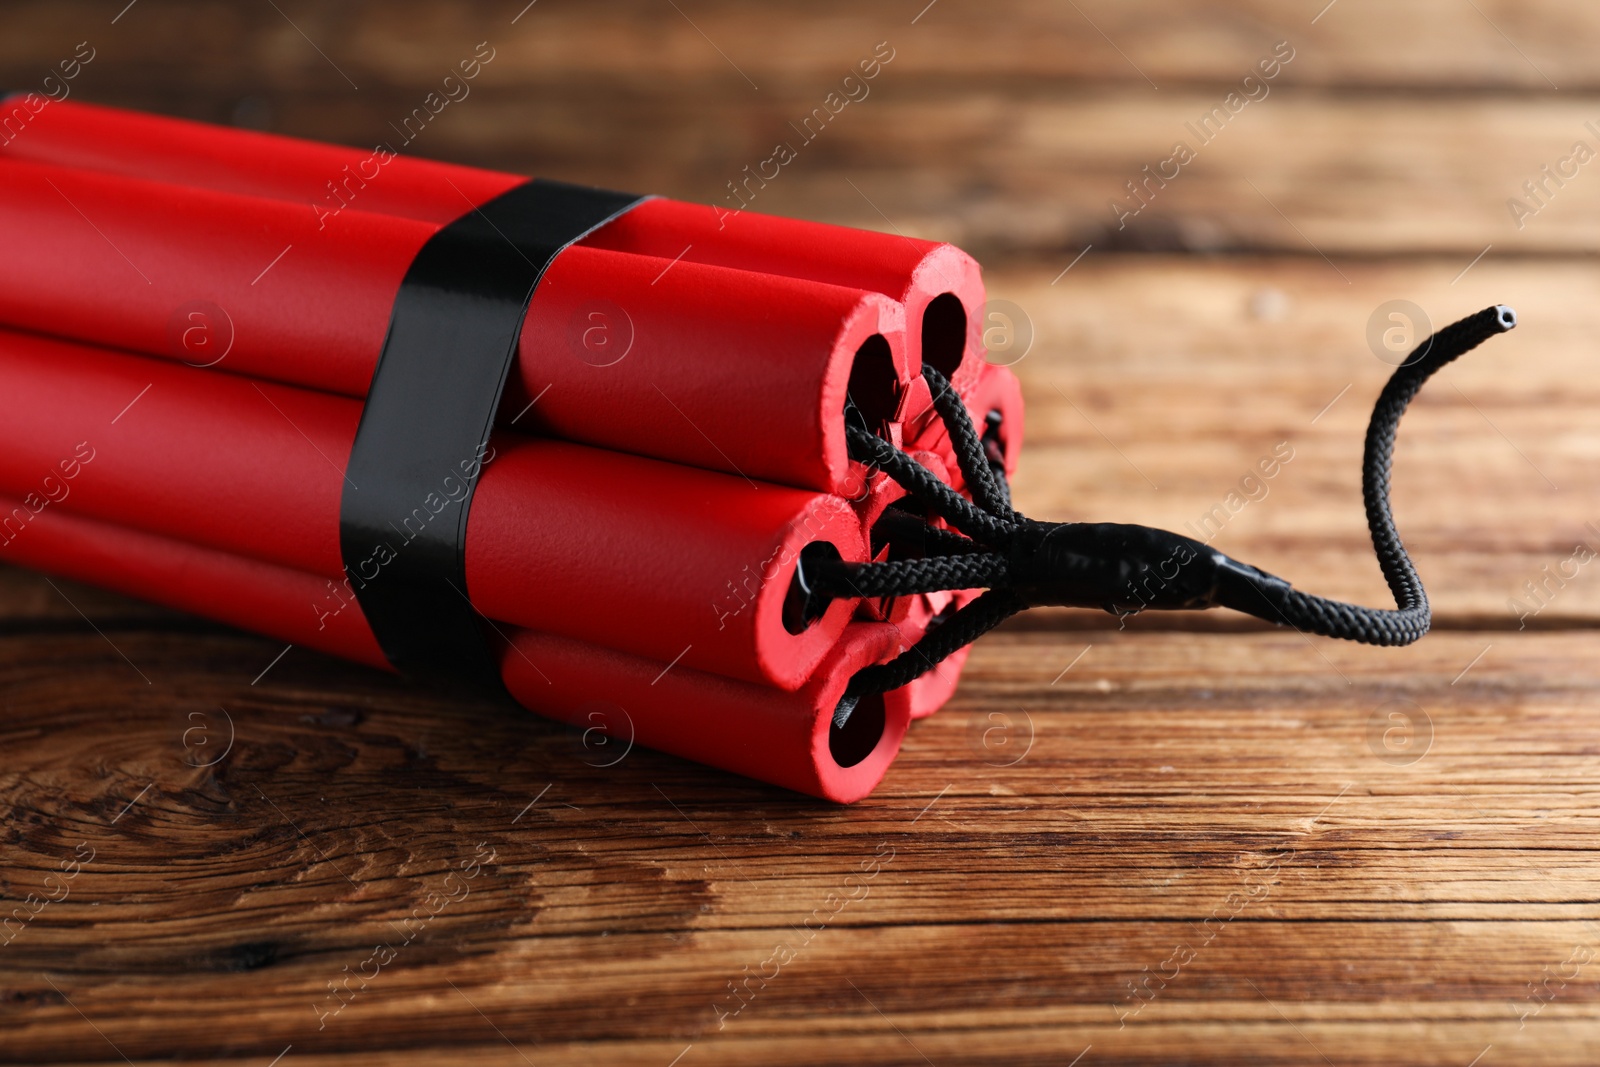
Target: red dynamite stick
(883, 492)
(325, 179)
(263, 598)
(913, 616)
(699, 364)
(929, 692)
(774, 736)
(904, 611)
(940, 286)
(914, 613)
(995, 405)
(657, 559)
(783, 738)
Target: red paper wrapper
(939, 285)
(994, 403)
(779, 737)
(723, 340)
(699, 364)
(660, 560)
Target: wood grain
(1008, 128)
(1193, 840)
(1428, 44)
(1155, 385)
(1168, 779)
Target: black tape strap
(424, 433)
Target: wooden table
(1193, 840)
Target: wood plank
(1193, 840)
(1154, 386)
(1172, 779)
(1043, 171)
(31, 604)
(1432, 44)
(989, 155)
(1189, 372)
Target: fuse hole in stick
(801, 609)
(944, 333)
(994, 439)
(874, 388)
(859, 736)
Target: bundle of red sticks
(191, 319)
